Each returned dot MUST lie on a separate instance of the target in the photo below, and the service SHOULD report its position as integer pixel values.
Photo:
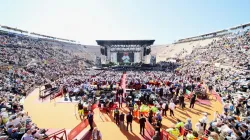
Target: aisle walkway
(123, 82)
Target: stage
(124, 51)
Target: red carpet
(217, 96)
(87, 136)
(205, 102)
(123, 83)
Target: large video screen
(125, 57)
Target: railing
(59, 135)
(87, 136)
(150, 129)
(54, 95)
(78, 129)
(167, 136)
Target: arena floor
(54, 115)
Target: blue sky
(90, 20)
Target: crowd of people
(15, 122)
(25, 63)
(222, 66)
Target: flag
(188, 92)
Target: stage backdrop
(98, 61)
(125, 57)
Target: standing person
(165, 109)
(179, 124)
(106, 105)
(142, 122)
(80, 110)
(148, 96)
(150, 117)
(204, 121)
(90, 120)
(120, 101)
(181, 101)
(121, 117)
(116, 116)
(111, 86)
(161, 92)
(192, 101)
(131, 107)
(177, 91)
(129, 121)
(171, 108)
(136, 112)
(89, 106)
(158, 116)
(96, 134)
(158, 126)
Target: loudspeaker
(144, 52)
(148, 51)
(106, 52)
(98, 61)
(102, 51)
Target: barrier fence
(164, 135)
(150, 129)
(59, 93)
(78, 129)
(59, 135)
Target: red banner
(164, 135)
(150, 129)
(78, 129)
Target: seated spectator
(174, 131)
(179, 124)
(12, 132)
(188, 125)
(28, 135)
(156, 136)
(190, 135)
(9, 122)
